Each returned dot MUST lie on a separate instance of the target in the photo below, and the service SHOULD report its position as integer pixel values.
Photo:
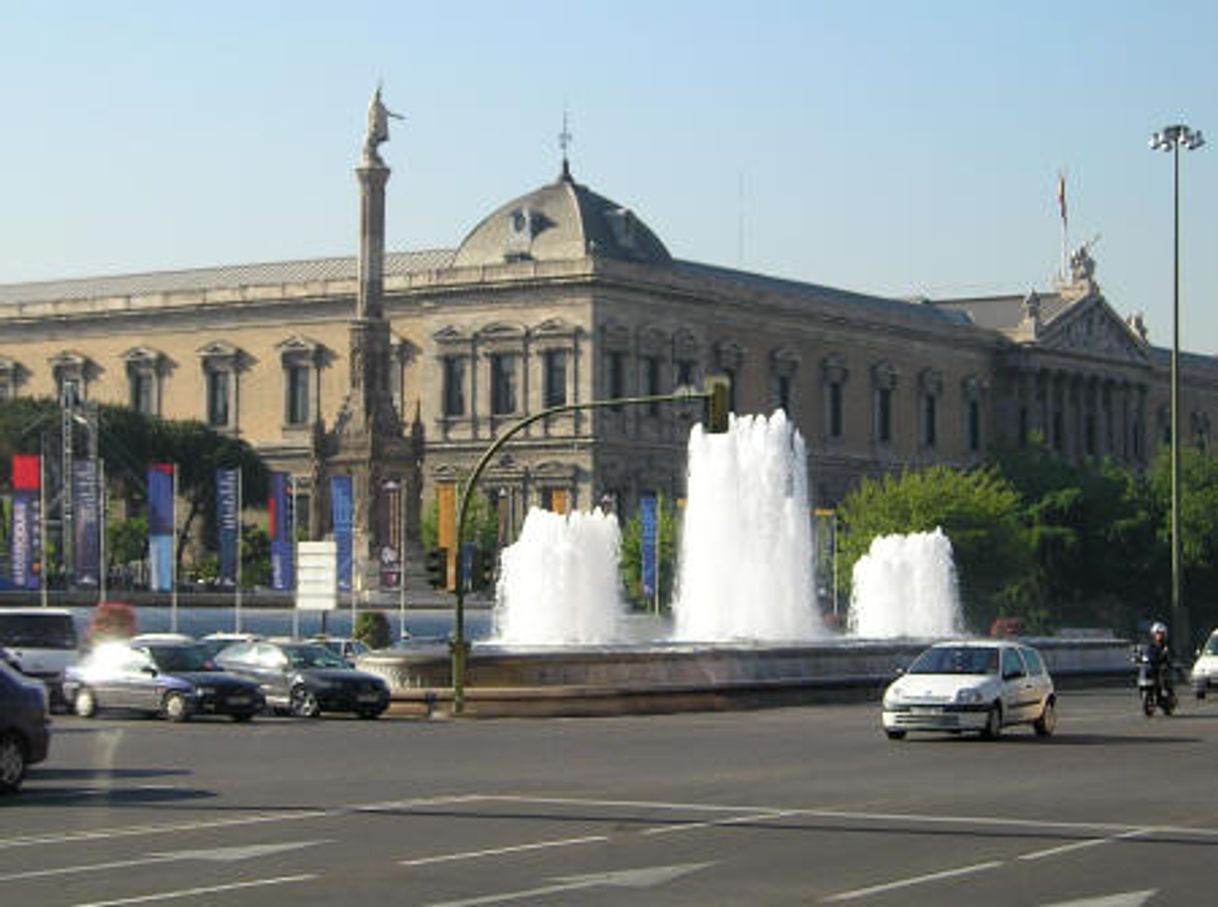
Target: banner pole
(173, 555)
(237, 566)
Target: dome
(560, 222)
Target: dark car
(306, 678)
(173, 679)
(25, 726)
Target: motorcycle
(1155, 687)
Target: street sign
(317, 576)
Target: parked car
(343, 646)
(25, 726)
(42, 643)
(978, 685)
(1205, 668)
(174, 679)
(215, 643)
(306, 678)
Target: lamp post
(1172, 139)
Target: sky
(894, 148)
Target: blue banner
(342, 512)
(648, 518)
(228, 522)
(25, 540)
(160, 526)
(281, 523)
(86, 512)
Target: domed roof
(559, 222)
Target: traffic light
(437, 567)
(717, 404)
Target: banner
(26, 536)
(649, 524)
(342, 512)
(228, 522)
(280, 523)
(86, 514)
(161, 520)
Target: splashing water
(558, 583)
(905, 585)
(745, 569)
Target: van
(42, 643)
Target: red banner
(27, 472)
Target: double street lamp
(1172, 139)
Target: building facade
(562, 296)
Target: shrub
(372, 627)
(111, 620)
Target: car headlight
(969, 696)
(892, 697)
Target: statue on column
(378, 127)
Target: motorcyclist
(1158, 655)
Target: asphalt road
(787, 806)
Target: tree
(977, 509)
(372, 628)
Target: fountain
(905, 586)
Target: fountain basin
(669, 677)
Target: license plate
(368, 697)
(238, 700)
(926, 710)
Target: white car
(972, 685)
(1205, 668)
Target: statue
(378, 127)
(1031, 309)
(1082, 265)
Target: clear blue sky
(890, 147)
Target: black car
(25, 726)
(173, 679)
(306, 678)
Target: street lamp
(1172, 139)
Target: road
(787, 806)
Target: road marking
(913, 880)
(217, 854)
(516, 848)
(1081, 845)
(719, 823)
(195, 892)
(1125, 899)
(628, 878)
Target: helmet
(1157, 628)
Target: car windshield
(956, 660)
(313, 657)
(37, 631)
(181, 658)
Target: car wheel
(175, 707)
(369, 714)
(993, 723)
(242, 717)
(304, 703)
(1148, 703)
(1047, 721)
(12, 763)
(1200, 693)
(894, 734)
(85, 703)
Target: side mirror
(149, 670)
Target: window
(617, 375)
(883, 415)
(454, 385)
(974, 426)
(686, 372)
(1089, 434)
(10, 377)
(835, 409)
(217, 397)
(781, 393)
(1023, 426)
(929, 420)
(651, 383)
(730, 373)
(555, 384)
(143, 389)
(297, 378)
(503, 383)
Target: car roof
(979, 644)
(28, 612)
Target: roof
(1002, 313)
(221, 277)
(560, 221)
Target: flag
(281, 523)
(1061, 194)
(161, 526)
(25, 534)
(228, 522)
(343, 514)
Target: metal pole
(42, 520)
(402, 560)
(1179, 616)
(237, 570)
(101, 530)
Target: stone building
(563, 296)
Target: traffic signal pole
(715, 396)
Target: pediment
(1093, 328)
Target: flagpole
(1061, 206)
(173, 556)
(101, 530)
(237, 587)
(42, 522)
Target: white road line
(1081, 845)
(914, 880)
(644, 804)
(719, 823)
(195, 892)
(496, 851)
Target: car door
(1018, 690)
(1039, 678)
(141, 688)
(272, 668)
